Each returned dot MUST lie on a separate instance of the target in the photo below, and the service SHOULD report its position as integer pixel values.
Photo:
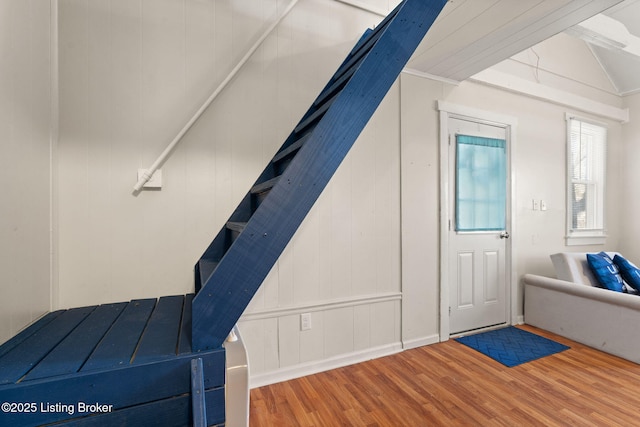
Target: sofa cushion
(606, 271)
(630, 273)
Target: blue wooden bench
(122, 364)
(161, 362)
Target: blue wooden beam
(121, 389)
(198, 403)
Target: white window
(586, 155)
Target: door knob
(505, 235)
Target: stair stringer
(226, 293)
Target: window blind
(587, 159)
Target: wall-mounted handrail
(364, 6)
(146, 176)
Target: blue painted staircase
(160, 362)
(235, 264)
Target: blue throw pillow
(630, 273)
(606, 271)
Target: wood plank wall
(25, 126)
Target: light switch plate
(535, 204)
(305, 321)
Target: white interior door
(478, 194)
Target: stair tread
(336, 84)
(320, 111)
(365, 44)
(346, 71)
(236, 226)
(206, 269)
(264, 186)
(208, 265)
(290, 149)
(362, 51)
(363, 39)
(373, 32)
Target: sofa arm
(599, 318)
(589, 292)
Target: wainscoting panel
(342, 331)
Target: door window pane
(481, 185)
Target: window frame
(595, 236)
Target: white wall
(365, 262)
(628, 188)
(420, 210)
(565, 63)
(25, 118)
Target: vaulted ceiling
(622, 62)
(472, 35)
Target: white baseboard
(419, 342)
(309, 368)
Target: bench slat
(120, 342)
(22, 358)
(160, 338)
(26, 333)
(71, 353)
(184, 340)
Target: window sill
(585, 240)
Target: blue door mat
(512, 346)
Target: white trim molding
(585, 240)
(321, 306)
(420, 342)
(522, 86)
(510, 123)
(487, 116)
(365, 6)
(597, 235)
(54, 124)
(422, 74)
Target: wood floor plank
(449, 384)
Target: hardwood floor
(449, 384)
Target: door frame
(449, 110)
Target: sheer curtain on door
(480, 183)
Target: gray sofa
(573, 307)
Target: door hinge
(449, 310)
